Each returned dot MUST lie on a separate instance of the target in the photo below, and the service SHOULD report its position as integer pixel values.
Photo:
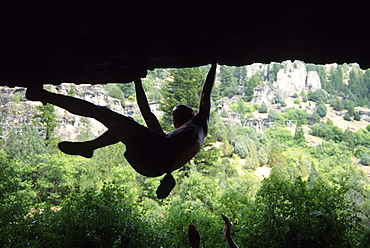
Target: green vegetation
(315, 195)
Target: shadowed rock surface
(115, 41)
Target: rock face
(16, 111)
(364, 113)
(117, 41)
(290, 79)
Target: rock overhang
(116, 41)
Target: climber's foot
(166, 186)
(76, 148)
(35, 94)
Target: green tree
(14, 203)
(365, 159)
(349, 105)
(299, 134)
(347, 117)
(115, 91)
(291, 213)
(48, 118)
(317, 96)
(239, 107)
(240, 73)
(229, 85)
(25, 145)
(252, 161)
(335, 80)
(315, 118)
(253, 82)
(366, 79)
(337, 104)
(349, 140)
(329, 132)
(275, 157)
(184, 87)
(357, 116)
(263, 108)
(272, 72)
(127, 89)
(91, 219)
(296, 115)
(355, 83)
(321, 110)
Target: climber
(149, 150)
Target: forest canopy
(314, 196)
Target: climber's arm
(149, 118)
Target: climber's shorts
(150, 153)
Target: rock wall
(16, 111)
(291, 78)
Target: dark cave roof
(115, 41)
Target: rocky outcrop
(364, 113)
(290, 79)
(16, 111)
(313, 81)
(263, 93)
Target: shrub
(365, 159)
(321, 110)
(357, 116)
(347, 117)
(298, 213)
(329, 132)
(263, 108)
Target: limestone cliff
(16, 111)
(291, 78)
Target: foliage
(347, 117)
(315, 118)
(48, 118)
(89, 219)
(253, 82)
(229, 84)
(299, 214)
(114, 91)
(365, 159)
(14, 203)
(317, 96)
(263, 108)
(296, 115)
(321, 110)
(329, 132)
(311, 198)
(337, 104)
(183, 87)
(299, 134)
(25, 145)
(357, 116)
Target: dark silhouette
(227, 232)
(149, 150)
(194, 237)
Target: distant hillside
(278, 85)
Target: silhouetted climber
(227, 232)
(194, 237)
(149, 150)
